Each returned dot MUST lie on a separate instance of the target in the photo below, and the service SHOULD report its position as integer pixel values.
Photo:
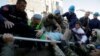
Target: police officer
(71, 16)
(95, 23)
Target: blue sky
(88, 5)
(92, 5)
(3, 2)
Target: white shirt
(81, 31)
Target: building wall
(38, 6)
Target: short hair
(51, 16)
(18, 1)
(78, 22)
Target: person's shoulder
(73, 29)
(7, 7)
(81, 18)
(91, 19)
(25, 12)
(80, 28)
(66, 13)
(98, 20)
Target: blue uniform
(94, 23)
(71, 18)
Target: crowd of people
(77, 36)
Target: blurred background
(49, 6)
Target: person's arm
(2, 19)
(84, 39)
(65, 14)
(42, 30)
(78, 33)
(58, 26)
(4, 10)
(8, 38)
(99, 24)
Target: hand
(8, 38)
(52, 43)
(8, 24)
(83, 27)
(39, 33)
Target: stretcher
(33, 39)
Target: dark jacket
(13, 15)
(84, 21)
(72, 18)
(94, 23)
(21, 28)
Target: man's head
(72, 8)
(57, 12)
(87, 14)
(96, 14)
(21, 5)
(36, 18)
(77, 25)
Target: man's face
(21, 6)
(36, 21)
(87, 14)
(77, 26)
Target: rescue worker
(95, 22)
(36, 21)
(71, 16)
